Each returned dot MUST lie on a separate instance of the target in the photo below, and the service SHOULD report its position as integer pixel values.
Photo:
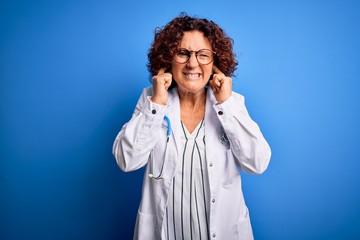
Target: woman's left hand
(221, 85)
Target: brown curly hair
(167, 40)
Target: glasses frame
(189, 53)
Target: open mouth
(192, 76)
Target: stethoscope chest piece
(222, 136)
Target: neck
(192, 100)
(192, 108)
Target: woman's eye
(182, 53)
(203, 56)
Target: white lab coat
(233, 141)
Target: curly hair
(168, 38)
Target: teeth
(193, 75)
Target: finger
(214, 85)
(217, 70)
(161, 71)
(218, 80)
(167, 77)
(167, 83)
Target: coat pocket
(231, 170)
(243, 228)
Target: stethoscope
(151, 171)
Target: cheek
(175, 69)
(176, 72)
(208, 72)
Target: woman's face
(192, 76)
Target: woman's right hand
(161, 83)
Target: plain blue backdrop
(72, 71)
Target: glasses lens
(204, 56)
(182, 56)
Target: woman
(193, 133)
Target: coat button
(220, 112)
(214, 235)
(153, 111)
(210, 164)
(213, 200)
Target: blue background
(72, 71)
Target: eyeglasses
(203, 56)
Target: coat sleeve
(247, 143)
(137, 138)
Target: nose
(192, 62)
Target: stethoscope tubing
(168, 133)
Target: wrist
(221, 99)
(158, 100)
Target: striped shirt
(187, 212)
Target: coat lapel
(211, 121)
(173, 113)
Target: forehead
(195, 40)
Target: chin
(192, 89)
